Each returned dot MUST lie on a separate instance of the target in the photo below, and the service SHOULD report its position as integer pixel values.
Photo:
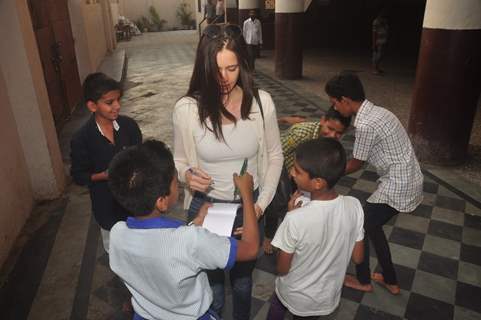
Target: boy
(316, 241)
(162, 262)
(96, 142)
(380, 140)
(331, 125)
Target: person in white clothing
(222, 122)
(316, 241)
(252, 30)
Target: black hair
(204, 84)
(323, 158)
(346, 84)
(333, 114)
(140, 175)
(97, 84)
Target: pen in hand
(197, 174)
(242, 171)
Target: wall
(32, 167)
(28, 96)
(94, 28)
(79, 33)
(166, 8)
(115, 9)
(16, 195)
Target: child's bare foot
(267, 246)
(392, 288)
(352, 282)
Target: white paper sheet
(220, 218)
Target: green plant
(156, 21)
(143, 24)
(184, 14)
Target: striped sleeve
(213, 251)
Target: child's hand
(244, 183)
(291, 205)
(199, 219)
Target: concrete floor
(58, 269)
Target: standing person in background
(380, 32)
(221, 121)
(252, 31)
(220, 11)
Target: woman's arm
(180, 118)
(274, 152)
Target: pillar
(244, 7)
(26, 90)
(288, 38)
(232, 12)
(448, 81)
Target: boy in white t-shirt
(316, 241)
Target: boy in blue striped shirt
(161, 260)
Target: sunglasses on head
(214, 31)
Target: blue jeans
(240, 275)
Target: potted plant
(157, 23)
(185, 15)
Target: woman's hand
(197, 180)
(291, 205)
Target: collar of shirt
(365, 107)
(116, 127)
(153, 223)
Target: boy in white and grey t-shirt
(160, 260)
(316, 241)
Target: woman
(217, 125)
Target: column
(448, 81)
(288, 38)
(231, 11)
(26, 90)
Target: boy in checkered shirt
(382, 141)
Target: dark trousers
(253, 52)
(278, 310)
(375, 216)
(277, 209)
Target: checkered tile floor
(436, 249)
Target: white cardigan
(269, 159)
